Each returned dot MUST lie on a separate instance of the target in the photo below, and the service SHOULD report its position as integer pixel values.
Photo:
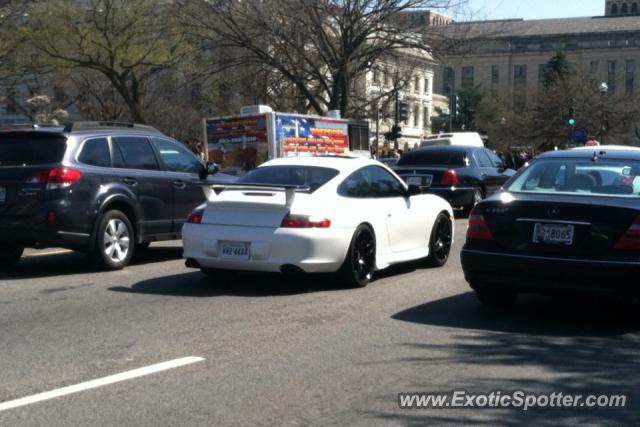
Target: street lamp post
(603, 89)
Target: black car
(462, 175)
(100, 188)
(570, 221)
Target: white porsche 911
(344, 215)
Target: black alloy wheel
(360, 263)
(440, 241)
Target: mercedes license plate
(3, 194)
(554, 234)
(421, 181)
(235, 250)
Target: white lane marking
(112, 379)
(65, 251)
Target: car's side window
(382, 183)
(482, 159)
(134, 153)
(95, 152)
(355, 186)
(371, 182)
(176, 157)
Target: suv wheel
(10, 255)
(114, 242)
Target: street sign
(580, 136)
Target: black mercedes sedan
(569, 221)
(462, 175)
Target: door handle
(129, 181)
(179, 184)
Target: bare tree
(129, 42)
(320, 47)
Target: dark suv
(102, 188)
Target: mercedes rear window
(313, 177)
(31, 148)
(603, 177)
(434, 157)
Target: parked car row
(568, 221)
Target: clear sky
(532, 9)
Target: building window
(416, 84)
(495, 74)
(634, 8)
(519, 87)
(542, 72)
(614, 9)
(425, 124)
(630, 70)
(593, 68)
(426, 85)
(449, 81)
(467, 77)
(624, 10)
(520, 72)
(611, 75)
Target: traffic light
(458, 106)
(394, 134)
(403, 111)
(572, 118)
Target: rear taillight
(55, 178)
(478, 227)
(449, 178)
(630, 240)
(302, 221)
(195, 218)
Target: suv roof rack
(107, 125)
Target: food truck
(240, 143)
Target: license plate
(234, 250)
(3, 194)
(554, 234)
(421, 181)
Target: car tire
(10, 255)
(359, 264)
(478, 196)
(494, 297)
(440, 241)
(114, 241)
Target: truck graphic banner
(238, 144)
(303, 135)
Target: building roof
(547, 27)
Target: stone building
(507, 57)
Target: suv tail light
(478, 227)
(195, 217)
(450, 178)
(55, 178)
(302, 221)
(630, 240)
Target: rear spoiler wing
(211, 191)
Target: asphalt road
(296, 351)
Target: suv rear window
(31, 148)
(303, 176)
(434, 157)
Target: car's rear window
(303, 176)
(620, 178)
(434, 157)
(31, 148)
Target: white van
(471, 139)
